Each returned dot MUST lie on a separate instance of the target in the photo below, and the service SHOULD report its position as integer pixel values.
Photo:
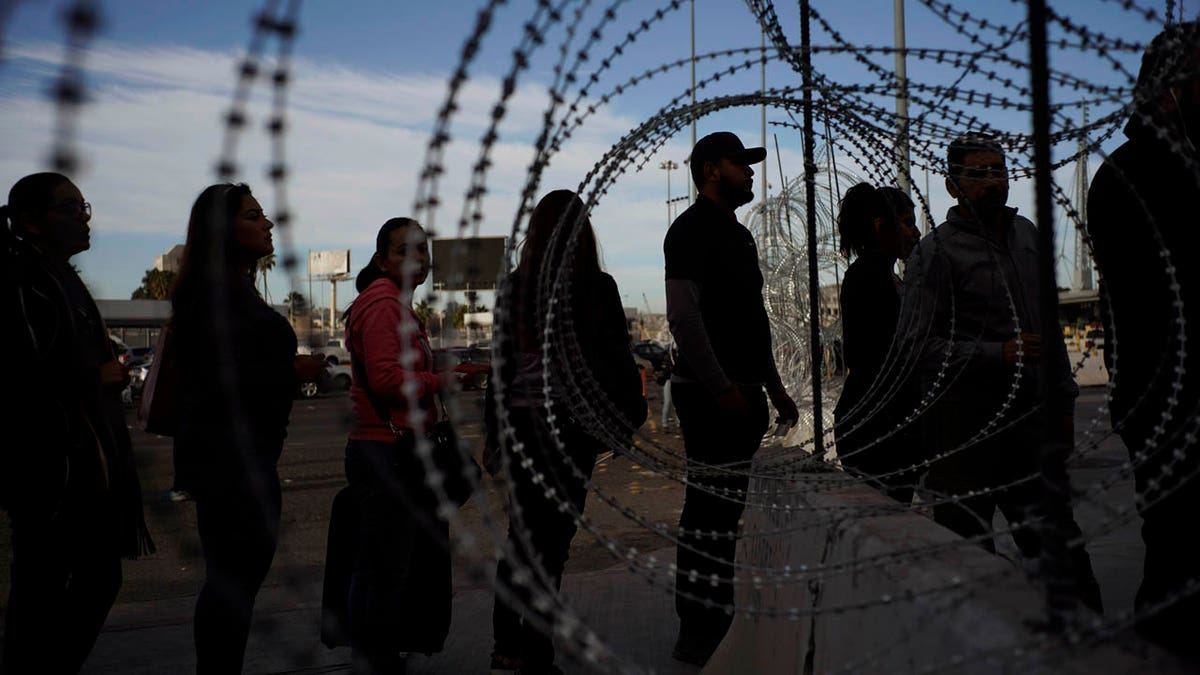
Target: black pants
(878, 463)
(400, 591)
(713, 501)
(549, 531)
(1002, 458)
(1172, 552)
(239, 530)
(65, 576)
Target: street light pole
(903, 179)
(668, 165)
(692, 186)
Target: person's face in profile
(736, 181)
(407, 259)
(252, 229)
(981, 183)
(899, 240)
(63, 227)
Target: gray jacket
(967, 294)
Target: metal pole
(810, 198)
(692, 184)
(903, 160)
(835, 199)
(668, 165)
(1083, 259)
(332, 307)
(308, 328)
(763, 107)
(787, 212)
(1055, 562)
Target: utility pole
(691, 184)
(669, 165)
(810, 199)
(1083, 261)
(308, 329)
(903, 159)
(763, 108)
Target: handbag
(341, 546)
(460, 472)
(158, 413)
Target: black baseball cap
(721, 144)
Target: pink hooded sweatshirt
(392, 363)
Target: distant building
(169, 261)
(829, 304)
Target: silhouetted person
(716, 313)
(963, 284)
(875, 228)
(400, 588)
(236, 383)
(1143, 224)
(67, 474)
(539, 530)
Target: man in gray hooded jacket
(973, 324)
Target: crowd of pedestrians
(958, 392)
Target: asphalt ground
(164, 585)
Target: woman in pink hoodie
(400, 589)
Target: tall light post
(691, 184)
(903, 161)
(668, 165)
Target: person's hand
(731, 400)
(1031, 345)
(784, 405)
(112, 373)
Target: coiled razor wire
(989, 70)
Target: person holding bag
(400, 589)
(552, 468)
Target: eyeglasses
(74, 207)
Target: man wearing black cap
(1142, 221)
(715, 309)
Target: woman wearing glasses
(67, 475)
(237, 380)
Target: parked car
(338, 377)
(653, 352)
(135, 356)
(472, 366)
(334, 351)
(311, 374)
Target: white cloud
(356, 140)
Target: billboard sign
(329, 263)
(469, 264)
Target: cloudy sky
(369, 76)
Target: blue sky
(368, 78)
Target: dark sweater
(237, 382)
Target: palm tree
(156, 285)
(266, 264)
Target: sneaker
(503, 664)
(693, 650)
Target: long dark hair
(210, 259)
(543, 253)
(859, 208)
(33, 195)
